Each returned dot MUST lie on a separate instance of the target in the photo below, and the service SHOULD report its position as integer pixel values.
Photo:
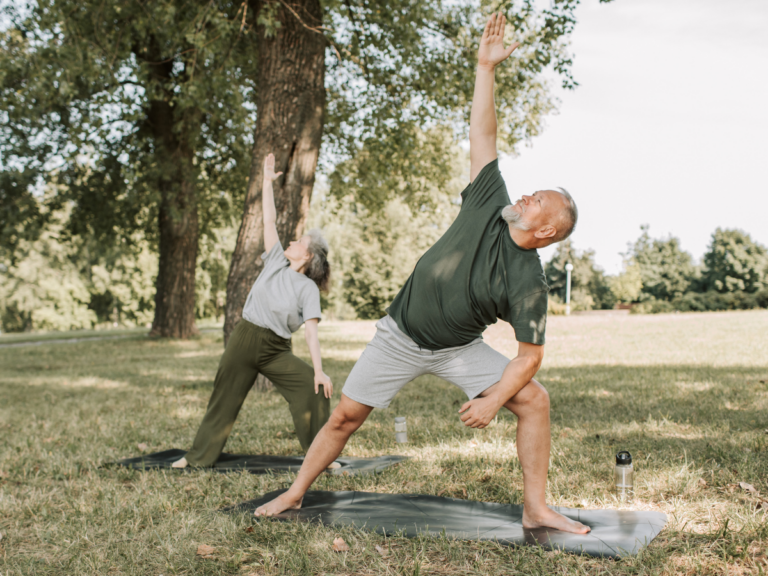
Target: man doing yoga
(485, 267)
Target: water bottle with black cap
(623, 475)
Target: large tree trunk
(175, 284)
(290, 107)
(177, 219)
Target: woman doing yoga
(285, 296)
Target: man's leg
(328, 444)
(531, 406)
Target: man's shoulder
(487, 187)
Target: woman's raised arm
(268, 203)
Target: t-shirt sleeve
(529, 318)
(488, 188)
(274, 259)
(310, 302)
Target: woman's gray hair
(318, 269)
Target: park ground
(687, 394)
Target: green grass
(687, 394)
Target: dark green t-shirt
(474, 275)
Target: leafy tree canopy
(665, 268)
(78, 78)
(79, 87)
(735, 262)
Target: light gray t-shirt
(281, 298)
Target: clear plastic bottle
(401, 432)
(623, 475)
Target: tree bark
(290, 108)
(177, 216)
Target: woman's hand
(492, 51)
(269, 169)
(322, 378)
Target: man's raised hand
(492, 51)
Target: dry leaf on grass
(339, 545)
(383, 552)
(702, 482)
(205, 551)
(249, 529)
(748, 487)
(141, 446)
(443, 491)
(473, 444)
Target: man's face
(538, 209)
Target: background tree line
(132, 136)
(658, 276)
(64, 281)
(124, 122)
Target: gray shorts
(392, 359)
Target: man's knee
(345, 420)
(533, 397)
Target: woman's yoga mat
(614, 532)
(258, 464)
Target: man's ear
(546, 231)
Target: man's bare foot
(548, 518)
(180, 463)
(280, 504)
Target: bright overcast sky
(669, 126)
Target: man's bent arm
(482, 120)
(518, 372)
(479, 412)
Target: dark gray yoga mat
(259, 464)
(614, 532)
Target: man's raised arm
(482, 121)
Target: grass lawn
(687, 394)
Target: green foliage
(397, 69)
(83, 87)
(125, 104)
(211, 274)
(734, 262)
(43, 288)
(61, 281)
(627, 286)
(589, 286)
(711, 301)
(666, 269)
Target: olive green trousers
(252, 350)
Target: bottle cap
(400, 419)
(624, 458)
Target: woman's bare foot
(280, 504)
(180, 463)
(548, 518)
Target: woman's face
(298, 250)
